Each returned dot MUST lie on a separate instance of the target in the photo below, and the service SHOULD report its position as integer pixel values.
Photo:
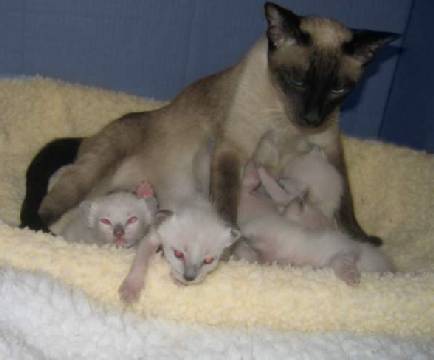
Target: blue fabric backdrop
(154, 48)
(409, 116)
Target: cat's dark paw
(36, 224)
(50, 211)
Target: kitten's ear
(234, 236)
(87, 208)
(365, 43)
(283, 26)
(162, 215)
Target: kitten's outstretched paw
(345, 268)
(129, 291)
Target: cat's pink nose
(118, 231)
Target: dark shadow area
(371, 69)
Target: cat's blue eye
(293, 79)
(297, 83)
(339, 90)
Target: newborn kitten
(303, 168)
(192, 238)
(278, 239)
(121, 218)
(293, 202)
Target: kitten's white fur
(193, 229)
(278, 239)
(312, 172)
(196, 230)
(86, 226)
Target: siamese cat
(119, 218)
(291, 84)
(192, 238)
(277, 239)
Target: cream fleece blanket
(394, 198)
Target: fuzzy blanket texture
(394, 198)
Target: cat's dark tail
(54, 155)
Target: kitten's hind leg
(345, 267)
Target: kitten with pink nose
(119, 218)
(192, 238)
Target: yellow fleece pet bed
(394, 198)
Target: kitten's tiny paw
(129, 291)
(345, 268)
(351, 276)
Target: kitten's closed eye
(132, 220)
(178, 254)
(105, 221)
(208, 260)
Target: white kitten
(192, 238)
(277, 239)
(120, 218)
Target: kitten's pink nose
(118, 231)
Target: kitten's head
(315, 62)
(120, 218)
(193, 240)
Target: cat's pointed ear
(283, 26)
(162, 215)
(144, 190)
(365, 43)
(87, 208)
